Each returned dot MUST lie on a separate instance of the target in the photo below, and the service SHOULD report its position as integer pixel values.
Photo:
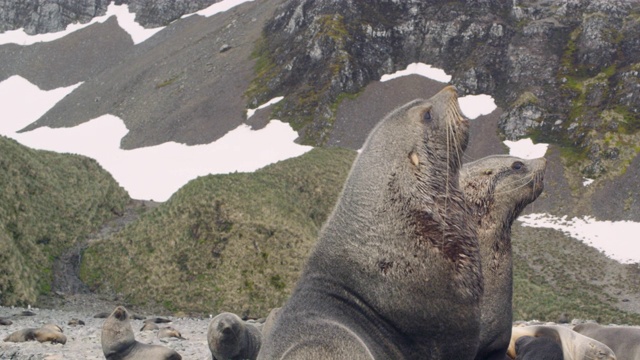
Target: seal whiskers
(395, 273)
(497, 188)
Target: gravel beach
(83, 341)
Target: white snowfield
(156, 172)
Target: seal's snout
(120, 313)
(450, 90)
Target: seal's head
(430, 133)
(226, 335)
(117, 334)
(403, 193)
(501, 185)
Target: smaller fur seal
(101, 315)
(623, 340)
(149, 326)
(497, 188)
(157, 320)
(230, 338)
(169, 331)
(538, 348)
(52, 327)
(119, 343)
(25, 313)
(42, 335)
(4, 321)
(75, 322)
(575, 346)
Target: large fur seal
(119, 343)
(574, 345)
(623, 340)
(396, 272)
(497, 188)
(230, 338)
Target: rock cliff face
(564, 71)
(44, 16)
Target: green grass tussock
(48, 202)
(233, 242)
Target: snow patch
(617, 239)
(419, 69)
(217, 8)
(151, 173)
(526, 149)
(251, 112)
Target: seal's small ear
(413, 156)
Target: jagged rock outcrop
(575, 57)
(44, 16)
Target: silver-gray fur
(623, 340)
(119, 343)
(396, 271)
(230, 338)
(497, 189)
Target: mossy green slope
(237, 243)
(234, 242)
(48, 202)
(554, 274)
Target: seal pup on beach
(575, 346)
(119, 343)
(538, 348)
(396, 271)
(623, 340)
(497, 188)
(169, 331)
(230, 338)
(149, 326)
(42, 334)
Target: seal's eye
(426, 116)
(517, 165)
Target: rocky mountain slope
(564, 72)
(39, 17)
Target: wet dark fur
(538, 348)
(497, 189)
(396, 271)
